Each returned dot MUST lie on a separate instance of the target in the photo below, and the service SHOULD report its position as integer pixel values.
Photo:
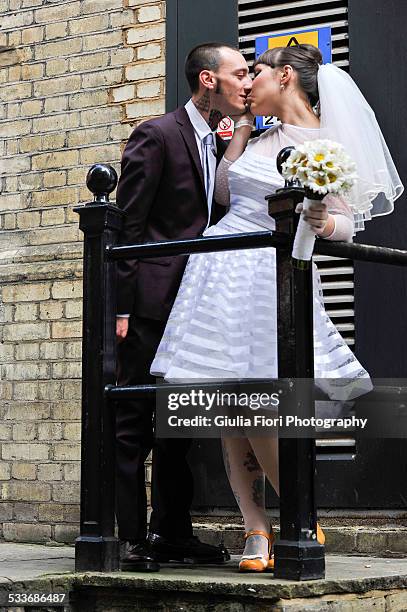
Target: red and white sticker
(226, 128)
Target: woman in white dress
(224, 321)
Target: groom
(166, 189)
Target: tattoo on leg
(258, 491)
(237, 497)
(226, 460)
(251, 464)
(214, 117)
(203, 104)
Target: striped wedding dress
(223, 324)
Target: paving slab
(372, 581)
(24, 561)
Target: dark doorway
(370, 473)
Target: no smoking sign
(226, 128)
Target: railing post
(96, 548)
(298, 556)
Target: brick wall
(76, 76)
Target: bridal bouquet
(322, 167)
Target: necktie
(209, 169)
(207, 156)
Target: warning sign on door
(319, 37)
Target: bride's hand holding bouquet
(322, 167)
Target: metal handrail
(255, 240)
(297, 554)
(205, 244)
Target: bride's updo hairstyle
(304, 59)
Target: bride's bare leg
(247, 482)
(266, 452)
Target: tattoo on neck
(203, 104)
(214, 117)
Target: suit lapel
(188, 134)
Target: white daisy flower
(322, 166)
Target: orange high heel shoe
(320, 540)
(320, 535)
(257, 563)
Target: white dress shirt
(202, 129)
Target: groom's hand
(122, 327)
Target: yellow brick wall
(75, 77)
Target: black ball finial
(101, 180)
(282, 157)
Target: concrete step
(352, 584)
(379, 540)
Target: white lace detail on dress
(222, 193)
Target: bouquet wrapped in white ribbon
(322, 167)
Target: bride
(224, 321)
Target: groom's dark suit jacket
(162, 191)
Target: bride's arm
(344, 223)
(237, 145)
(240, 138)
(222, 194)
(331, 219)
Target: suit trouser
(172, 485)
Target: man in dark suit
(166, 189)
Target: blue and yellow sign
(319, 37)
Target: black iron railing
(298, 555)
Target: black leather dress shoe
(186, 550)
(138, 557)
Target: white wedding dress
(223, 324)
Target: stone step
(380, 541)
(351, 584)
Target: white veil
(347, 118)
